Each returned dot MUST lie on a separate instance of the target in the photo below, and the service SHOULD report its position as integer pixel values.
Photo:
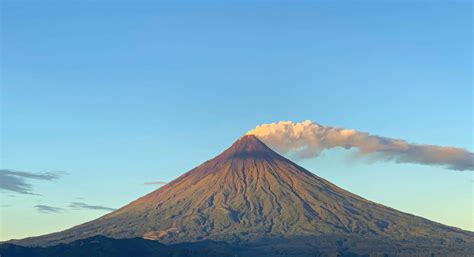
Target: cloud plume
(308, 139)
(81, 206)
(18, 181)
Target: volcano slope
(250, 195)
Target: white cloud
(308, 139)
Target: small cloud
(18, 181)
(155, 183)
(82, 206)
(48, 209)
(5, 205)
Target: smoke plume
(308, 139)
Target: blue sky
(117, 94)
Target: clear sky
(115, 94)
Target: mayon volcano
(251, 196)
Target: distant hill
(100, 246)
(251, 196)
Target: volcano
(251, 195)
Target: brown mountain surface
(249, 193)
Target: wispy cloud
(81, 206)
(308, 139)
(155, 183)
(19, 181)
(48, 209)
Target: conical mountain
(250, 192)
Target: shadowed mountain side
(250, 192)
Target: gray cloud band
(48, 209)
(18, 181)
(79, 206)
(155, 183)
(308, 139)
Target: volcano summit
(251, 197)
